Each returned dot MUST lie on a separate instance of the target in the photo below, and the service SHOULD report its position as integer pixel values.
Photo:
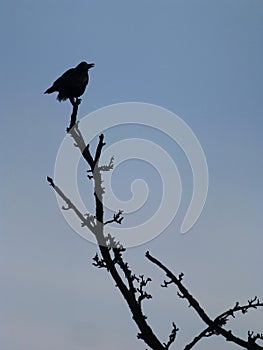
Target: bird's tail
(49, 90)
(61, 97)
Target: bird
(72, 83)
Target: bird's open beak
(91, 65)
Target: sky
(200, 59)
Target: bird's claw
(75, 101)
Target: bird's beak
(91, 65)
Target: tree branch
(75, 103)
(215, 326)
(132, 287)
(85, 221)
(172, 336)
(107, 261)
(205, 333)
(116, 218)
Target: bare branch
(75, 103)
(252, 304)
(116, 218)
(85, 221)
(100, 263)
(205, 333)
(128, 292)
(132, 286)
(75, 133)
(172, 336)
(99, 149)
(215, 326)
(107, 167)
(142, 284)
(252, 337)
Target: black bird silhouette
(72, 83)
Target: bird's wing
(71, 76)
(64, 77)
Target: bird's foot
(72, 101)
(75, 101)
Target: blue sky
(201, 59)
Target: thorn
(50, 180)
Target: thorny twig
(112, 258)
(172, 336)
(215, 327)
(116, 218)
(107, 261)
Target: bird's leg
(72, 101)
(75, 101)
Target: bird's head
(85, 66)
(91, 65)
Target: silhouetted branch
(131, 286)
(214, 326)
(183, 291)
(99, 149)
(130, 277)
(116, 218)
(252, 304)
(80, 143)
(114, 245)
(75, 103)
(85, 221)
(107, 167)
(89, 218)
(107, 261)
(100, 263)
(205, 333)
(252, 337)
(172, 336)
(142, 284)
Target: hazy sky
(201, 59)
